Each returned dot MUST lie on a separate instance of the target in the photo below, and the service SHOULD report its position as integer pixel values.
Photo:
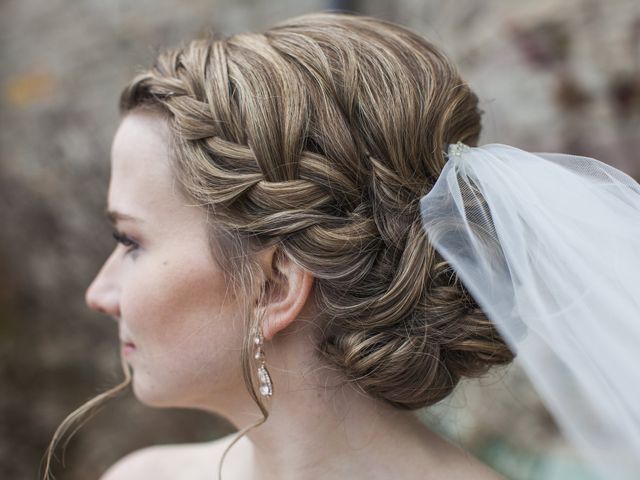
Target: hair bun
(415, 357)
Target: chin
(152, 395)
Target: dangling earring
(266, 388)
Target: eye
(125, 240)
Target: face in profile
(161, 284)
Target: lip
(128, 347)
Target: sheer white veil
(548, 244)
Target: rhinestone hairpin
(457, 149)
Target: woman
(272, 264)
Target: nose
(103, 294)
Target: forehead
(140, 142)
(141, 182)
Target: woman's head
(314, 141)
(318, 138)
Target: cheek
(181, 314)
(187, 330)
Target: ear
(286, 291)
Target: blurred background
(552, 75)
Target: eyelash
(124, 240)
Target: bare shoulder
(189, 461)
(138, 464)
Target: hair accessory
(266, 387)
(548, 244)
(457, 149)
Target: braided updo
(320, 136)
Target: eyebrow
(114, 216)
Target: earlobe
(286, 295)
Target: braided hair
(319, 136)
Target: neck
(321, 427)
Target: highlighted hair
(319, 137)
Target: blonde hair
(320, 136)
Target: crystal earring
(266, 388)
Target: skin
(169, 297)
